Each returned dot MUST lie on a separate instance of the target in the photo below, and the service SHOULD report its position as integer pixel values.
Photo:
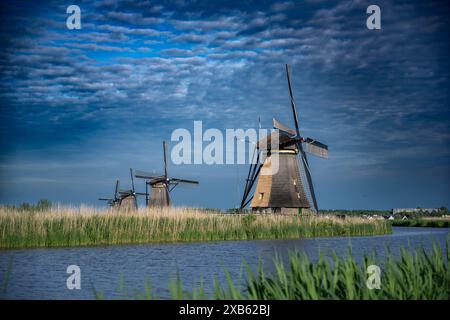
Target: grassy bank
(432, 223)
(87, 226)
(412, 276)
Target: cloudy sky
(80, 107)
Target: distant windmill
(160, 185)
(283, 191)
(113, 202)
(124, 199)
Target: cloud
(95, 47)
(132, 18)
(372, 96)
(282, 6)
(133, 31)
(224, 23)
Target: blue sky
(80, 107)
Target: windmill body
(128, 203)
(283, 191)
(125, 200)
(160, 191)
(160, 196)
(284, 178)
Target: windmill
(113, 202)
(161, 185)
(124, 199)
(290, 188)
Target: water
(41, 273)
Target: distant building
(414, 210)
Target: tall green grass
(412, 276)
(86, 226)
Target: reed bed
(424, 222)
(85, 226)
(418, 275)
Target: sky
(80, 107)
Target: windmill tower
(288, 188)
(161, 185)
(124, 199)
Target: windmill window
(298, 195)
(261, 196)
(294, 182)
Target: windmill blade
(308, 177)
(165, 158)
(146, 193)
(183, 181)
(158, 180)
(253, 174)
(278, 125)
(125, 192)
(246, 203)
(279, 139)
(316, 148)
(132, 180)
(247, 181)
(250, 178)
(294, 110)
(116, 190)
(105, 199)
(146, 175)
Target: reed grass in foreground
(85, 226)
(412, 276)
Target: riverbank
(436, 222)
(84, 226)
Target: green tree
(43, 204)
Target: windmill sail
(184, 181)
(125, 191)
(146, 175)
(309, 180)
(278, 125)
(165, 158)
(294, 109)
(316, 148)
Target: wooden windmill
(124, 199)
(161, 185)
(289, 187)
